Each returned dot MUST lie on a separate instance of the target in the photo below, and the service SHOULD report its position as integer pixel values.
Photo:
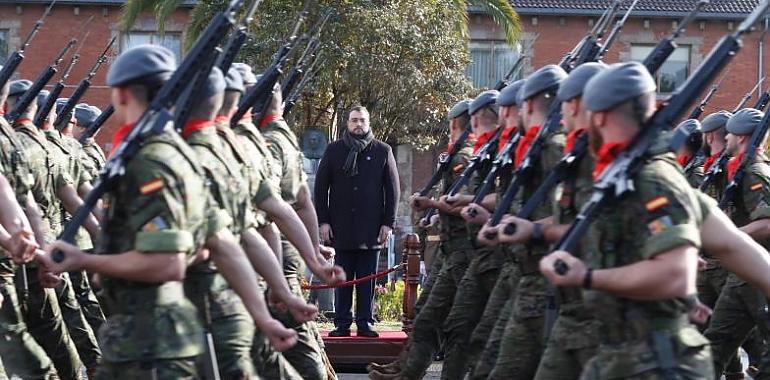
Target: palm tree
(500, 11)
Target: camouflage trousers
(45, 323)
(22, 355)
(77, 325)
(502, 292)
(424, 341)
(230, 325)
(736, 313)
(710, 283)
(467, 309)
(161, 369)
(521, 345)
(86, 297)
(573, 341)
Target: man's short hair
(361, 109)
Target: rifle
(194, 92)
(590, 48)
(50, 101)
(154, 119)
(66, 112)
(566, 61)
(617, 180)
(96, 124)
(698, 111)
(763, 100)
(666, 46)
(314, 38)
(446, 161)
(757, 139)
(308, 78)
(258, 96)
(14, 60)
(748, 96)
(503, 160)
(40, 82)
(236, 41)
(616, 31)
(502, 83)
(482, 155)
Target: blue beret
(689, 126)
(234, 81)
(19, 87)
(484, 99)
(143, 64)
(744, 121)
(715, 121)
(215, 83)
(246, 73)
(86, 114)
(616, 85)
(573, 85)
(42, 96)
(459, 109)
(509, 95)
(546, 78)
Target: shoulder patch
(756, 186)
(458, 168)
(151, 186)
(659, 225)
(156, 224)
(656, 203)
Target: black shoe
(339, 333)
(367, 333)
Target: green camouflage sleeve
(289, 181)
(755, 191)
(670, 209)
(553, 151)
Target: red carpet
(390, 336)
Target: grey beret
(715, 121)
(459, 109)
(143, 64)
(510, 94)
(19, 87)
(86, 114)
(573, 85)
(616, 85)
(689, 126)
(744, 121)
(215, 83)
(234, 81)
(245, 70)
(484, 99)
(546, 78)
(42, 96)
(60, 104)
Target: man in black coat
(356, 195)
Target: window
(490, 62)
(674, 71)
(3, 45)
(170, 40)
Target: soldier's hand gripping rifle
(502, 83)
(154, 119)
(66, 112)
(42, 79)
(617, 180)
(308, 78)
(503, 161)
(313, 44)
(258, 96)
(666, 46)
(96, 124)
(236, 41)
(14, 60)
(50, 101)
(745, 98)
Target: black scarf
(356, 144)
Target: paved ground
(434, 373)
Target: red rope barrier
(356, 281)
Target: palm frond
(459, 6)
(163, 11)
(503, 15)
(131, 11)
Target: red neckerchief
(221, 119)
(524, 144)
(709, 162)
(247, 116)
(505, 137)
(119, 135)
(571, 138)
(470, 139)
(195, 126)
(2, 111)
(606, 156)
(683, 159)
(268, 119)
(733, 164)
(23, 120)
(482, 140)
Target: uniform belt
(640, 330)
(129, 300)
(433, 238)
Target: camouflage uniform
(456, 250)
(307, 355)
(646, 339)
(522, 343)
(574, 336)
(738, 308)
(230, 323)
(158, 206)
(693, 171)
(64, 151)
(44, 316)
(93, 157)
(23, 355)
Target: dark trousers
(357, 263)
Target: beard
(595, 140)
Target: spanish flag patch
(458, 168)
(151, 186)
(656, 203)
(756, 186)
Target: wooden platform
(356, 351)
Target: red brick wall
(63, 23)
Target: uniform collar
(607, 155)
(268, 119)
(119, 135)
(525, 143)
(571, 138)
(193, 126)
(483, 138)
